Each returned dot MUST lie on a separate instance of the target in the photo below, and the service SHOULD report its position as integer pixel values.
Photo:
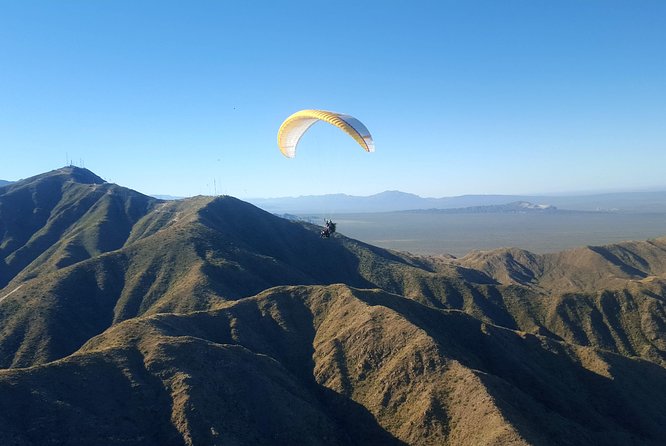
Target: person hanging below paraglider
(291, 130)
(328, 230)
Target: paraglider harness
(328, 230)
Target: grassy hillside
(127, 320)
(183, 256)
(62, 217)
(332, 365)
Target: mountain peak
(394, 194)
(73, 174)
(203, 315)
(78, 174)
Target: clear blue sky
(174, 97)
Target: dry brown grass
(209, 321)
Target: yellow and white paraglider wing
(297, 124)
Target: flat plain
(459, 233)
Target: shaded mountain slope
(333, 365)
(611, 297)
(582, 269)
(177, 391)
(62, 217)
(191, 254)
(127, 320)
(185, 256)
(177, 256)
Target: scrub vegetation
(130, 320)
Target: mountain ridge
(554, 416)
(209, 320)
(512, 207)
(393, 201)
(46, 216)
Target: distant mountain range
(4, 183)
(166, 197)
(400, 201)
(127, 320)
(515, 207)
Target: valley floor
(458, 234)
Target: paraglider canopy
(297, 124)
